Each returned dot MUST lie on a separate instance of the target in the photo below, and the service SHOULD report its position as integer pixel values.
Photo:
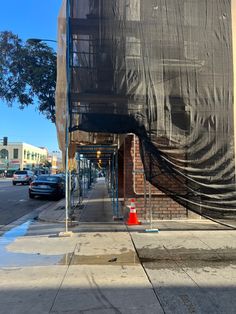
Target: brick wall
(132, 185)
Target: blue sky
(29, 19)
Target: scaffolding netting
(162, 69)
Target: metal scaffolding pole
(79, 186)
(84, 173)
(109, 176)
(90, 174)
(113, 181)
(145, 194)
(67, 187)
(67, 113)
(117, 190)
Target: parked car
(62, 175)
(23, 177)
(47, 185)
(73, 179)
(38, 172)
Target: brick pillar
(133, 186)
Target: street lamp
(38, 40)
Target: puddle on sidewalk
(127, 258)
(10, 259)
(16, 259)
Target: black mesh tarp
(162, 69)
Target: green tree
(47, 164)
(27, 73)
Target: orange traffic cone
(133, 218)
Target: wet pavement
(13, 253)
(107, 267)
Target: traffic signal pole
(4, 140)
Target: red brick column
(132, 185)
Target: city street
(14, 201)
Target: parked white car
(23, 177)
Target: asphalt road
(15, 202)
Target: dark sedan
(48, 185)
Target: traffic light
(5, 140)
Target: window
(133, 48)
(180, 116)
(133, 10)
(49, 178)
(15, 153)
(191, 17)
(83, 51)
(21, 172)
(191, 50)
(4, 154)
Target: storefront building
(17, 155)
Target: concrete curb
(35, 213)
(52, 213)
(5, 179)
(56, 214)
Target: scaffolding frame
(109, 158)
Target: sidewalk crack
(62, 281)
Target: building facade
(16, 156)
(158, 70)
(133, 185)
(56, 163)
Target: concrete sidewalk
(105, 267)
(4, 179)
(91, 272)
